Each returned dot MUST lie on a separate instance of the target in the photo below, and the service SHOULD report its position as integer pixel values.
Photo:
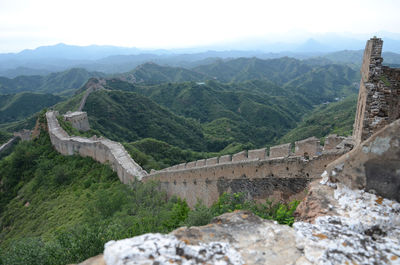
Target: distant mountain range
(112, 59)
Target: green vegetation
(4, 137)
(151, 73)
(337, 118)
(20, 106)
(58, 209)
(154, 154)
(127, 116)
(75, 132)
(62, 82)
(227, 202)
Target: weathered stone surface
(78, 120)
(318, 202)
(361, 229)
(332, 141)
(212, 161)
(280, 179)
(282, 150)
(102, 150)
(308, 147)
(200, 163)
(257, 154)
(167, 249)
(225, 159)
(379, 94)
(373, 164)
(24, 134)
(191, 164)
(181, 166)
(364, 229)
(241, 156)
(232, 238)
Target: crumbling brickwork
(379, 95)
(78, 120)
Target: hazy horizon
(177, 24)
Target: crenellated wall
(282, 178)
(100, 149)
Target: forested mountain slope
(22, 105)
(60, 82)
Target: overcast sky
(184, 23)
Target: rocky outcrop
(364, 230)
(100, 149)
(374, 165)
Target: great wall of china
(282, 175)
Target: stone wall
(78, 120)
(8, 144)
(308, 147)
(282, 150)
(373, 165)
(379, 95)
(280, 179)
(91, 85)
(25, 135)
(100, 149)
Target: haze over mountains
(113, 59)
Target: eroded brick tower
(379, 95)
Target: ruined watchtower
(78, 119)
(379, 95)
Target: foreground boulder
(365, 229)
(374, 165)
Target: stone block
(308, 147)
(282, 150)
(182, 166)
(225, 159)
(241, 156)
(372, 165)
(175, 167)
(212, 161)
(200, 163)
(257, 154)
(332, 141)
(78, 120)
(191, 164)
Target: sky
(185, 23)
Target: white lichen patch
(378, 146)
(366, 231)
(167, 249)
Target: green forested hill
(57, 209)
(22, 105)
(337, 117)
(326, 83)
(151, 73)
(256, 112)
(127, 116)
(279, 70)
(61, 82)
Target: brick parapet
(100, 149)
